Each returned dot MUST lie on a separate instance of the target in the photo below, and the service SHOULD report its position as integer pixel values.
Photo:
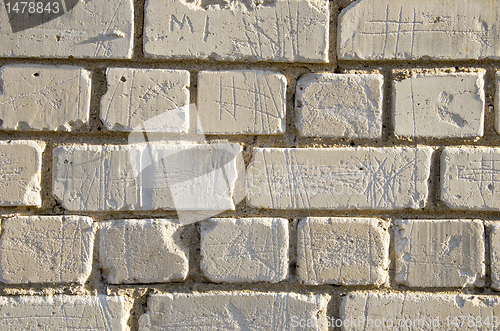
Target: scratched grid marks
(439, 105)
(339, 105)
(63, 312)
(414, 307)
(342, 251)
(372, 30)
(46, 249)
(37, 97)
(20, 173)
(440, 253)
(273, 31)
(230, 311)
(245, 250)
(339, 178)
(142, 251)
(155, 99)
(242, 102)
(93, 29)
(470, 178)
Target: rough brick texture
(155, 99)
(419, 311)
(241, 102)
(440, 253)
(269, 30)
(245, 250)
(342, 251)
(339, 178)
(63, 312)
(46, 249)
(36, 97)
(254, 311)
(339, 105)
(142, 251)
(20, 166)
(439, 105)
(495, 256)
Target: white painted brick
(419, 311)
(339, 178)
(157, 99)
(342, 251)
(440, 253)
(469, 178)
(242, 102)
(20, 166)
(245, 250)
(495, 255)
(40, 97)
(231, 311)
(275, 30)
(439, 105)
(391, 29)
(339, 105)
(146, 176)
(92, 29)
(63, 312)
(46, 249)
(142, 251)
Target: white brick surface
(157, 99)
(20, 166)
(342, 251)
(63, 312)
(339, 178)
(440, 253)
(242, 102)
(469, 178)
(36, 97)
(391, 29)
(230, 311)
(234, 30)
(419, 311)
(146, 177)
(495, 255)
(46, 249)
(439, 105)
(245, 250)
(142, 251)
(339, 105)
(92, 29)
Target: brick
(418, 311)
(495, 255)
(440, 253)
(497, 104)
(146, 176)
(469, 178)
(63, 312)
(339, 178)
(46, 249)
(230, 311)
(245, 250)
(39, 97)
(391, 29)
(93, 29)
(242, 102)
(157, 99)
(339, 105)
(142, 251)
(237, 30)
(439, 105)
(342, 251)
(20, 166)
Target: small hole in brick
(123, 79)
(36, 74)
(58, 38)
(490, 187)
